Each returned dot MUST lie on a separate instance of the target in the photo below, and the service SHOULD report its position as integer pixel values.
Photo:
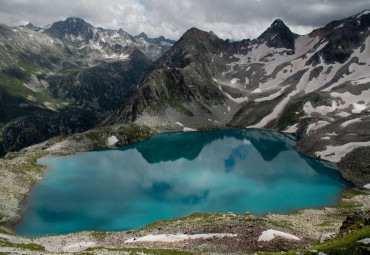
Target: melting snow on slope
(291, 129)
(315, 126)
(322, 109)
(186, 129)
(112, 140)
(270, 234)
(234, 80)
(336, 153)
(367, 186)
(169, 238)
(270, 97)
(279, 108)
(348, 122)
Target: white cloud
(233, 19)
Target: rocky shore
(197, 233)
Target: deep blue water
(176, 174)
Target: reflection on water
(176, 174)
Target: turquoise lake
(176, 174)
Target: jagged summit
(72, 26)
(142, 35)
(196, 33)
(278, 35)
(278, 23)
(32, 27)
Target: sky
(229, 19)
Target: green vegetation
(345, 204)
(350, 193)
(348, 244)
(252, 112)
(181, 108)
(290, 115)
(28, 246)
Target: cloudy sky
(233, 19)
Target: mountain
(314, 86)
(278, 35)
(280, 80)
(32, 27)
(63, 73)
(87, 41)
(301, 84)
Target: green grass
(350, 193)
(346, 245)
(29, 246)
(344, 204)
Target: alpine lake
(176, 174)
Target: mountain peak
(31, 26)
(74, 20)
(143, 35)
(278, 23)
(197, 33)
(72, 26)
(278, 35)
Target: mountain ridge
(280, 80)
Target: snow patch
(257, 90)
(367, 186)
(172, 238)
(270, 234)
(234, 80)
(315, 126)
(77, 247)
(325, 138)
(343, 114)
(322, 109)
(112, 140)
(270, 97)
(180, 124)
(336, 153)
(186, 129)
(348, 122)
(365, 241)
(357, 108)
(291, 129)
(361, 81)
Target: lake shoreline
(52, 147)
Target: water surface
(176, 174)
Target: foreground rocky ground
(311, 231)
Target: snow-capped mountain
(87, 41)
(316, 86)
(302, 84)
(280, 80)
(62, 73)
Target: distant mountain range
(301, 84)
(66, 77)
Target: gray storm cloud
(233, 19)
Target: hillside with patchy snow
(298, 84)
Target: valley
(70, 87)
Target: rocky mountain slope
(287, 81)
(69, 73)
(301, 84)
(283, 81)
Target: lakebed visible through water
(175, 174)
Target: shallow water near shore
(173, 175)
